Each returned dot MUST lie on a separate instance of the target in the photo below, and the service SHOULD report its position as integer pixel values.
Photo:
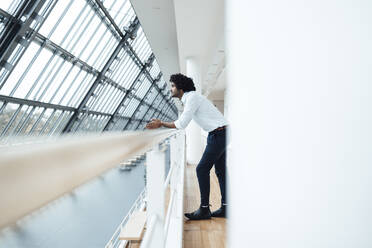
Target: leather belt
(218, 129)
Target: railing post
(174, 160)
(174, 233)
(155, 170)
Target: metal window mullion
(140, 47)
(74, 23)
(57, 49)
(50, 69)
(46, 124)
(133, 55)
(98, 11)
(141, 50)
(159, 109)
(3, 107)
(12, 119)
(39, 51)
(80, 89)
(147, 73)
(102, 97)
(51, 81)
(55, 125)
(71, 84)
(166, 112)
(96, 95)
(114, 16)
(123, 100)
(103, 123)
(90, 121)
(123, 68)
(142, 102)
(6, 49)
(150, 107)
(97, 122)
(61, 84)
(68, 6)
(139, 39)
(148, 51)
(130, 74)
(100, 61)
(134, 113)
(159, 104)
(26, 71)
(13, 6)
(144, 50)
(22, 124)
(37, 121)
(131, 107)
(60, 126)
(134, 27)
(82, 31)
(82, 118)
(28, 102)
(93, 87)
(107, 14)
(111, 105)
(110, 99)
(100, 123)
(128, 69)
(21, 119)
(94, 33)
(120, 66)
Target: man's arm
(156, 123)
(168, 124)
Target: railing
(168, 231)
(138, 205)
(160, 231)
(62, 163)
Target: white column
(301, 117)
(194, 148)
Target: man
(206, 115)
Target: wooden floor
(202, 233)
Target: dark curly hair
(182, 82)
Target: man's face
(175, 92)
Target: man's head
(180, 84)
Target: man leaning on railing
(207, 116)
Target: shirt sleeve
(191, 107)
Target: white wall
(301, 116)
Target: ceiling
(179, 29)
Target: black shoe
(221, 212)
(203, 213)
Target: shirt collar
(184, 96)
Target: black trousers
(214, 154)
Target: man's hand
(155, 123)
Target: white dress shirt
(199, 108)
